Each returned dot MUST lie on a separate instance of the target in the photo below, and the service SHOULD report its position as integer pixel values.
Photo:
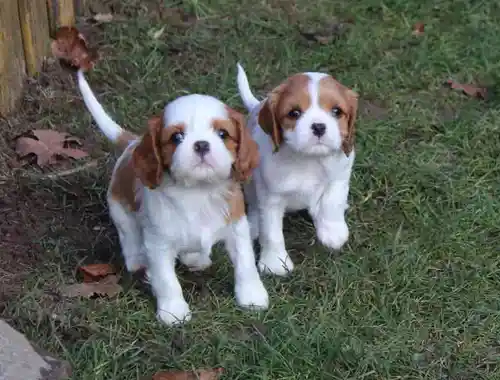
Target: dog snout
(318, 129)
(201, 147)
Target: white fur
(186, 215)
(305, 173)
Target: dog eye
(223, 134)
(295, 113)
(177, 138)
(337, 112)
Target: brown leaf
(203, 374)
(106, 287)
(47, 145)
(418, 29)
(95, 272)
(468, 89)
(70, 46)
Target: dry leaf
(95, 272)
(418, 29)
(106, 287)
(203, 374)
(103, 17)
(327, 33)
(70, 46)
(47, 145)
(468, 89)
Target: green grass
(414, 294)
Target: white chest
(191, 220)
(301, 181)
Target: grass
(414, 295)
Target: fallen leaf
(468, 89)
(327, 33)
(106, 287)
(70, 46)
(95, 272)
(48, 145)
(418, 29)
(103, 17)
(203, 374)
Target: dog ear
(247, 152)
(267, 117)
(348, 143)
(146, 158)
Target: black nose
(201, 147)
(318, 129)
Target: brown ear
(247, 154)
(147, 158)
(267, 117)
(348, 143)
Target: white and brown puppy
(305, 133)
(176, 191)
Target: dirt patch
(373, 109)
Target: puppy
(305, 133)
(175, 192)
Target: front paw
(277, 263)
(173, 312)
(252, 295)
(333, 234)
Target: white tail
(249, 100)
(107, 125)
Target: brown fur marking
(334, 94)
(236, 203)
(124, 184)
(240, 143)
(291, 94)
(125, 138)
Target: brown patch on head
(153, 155)
(240, 143)
(293, 94)
(334, 94)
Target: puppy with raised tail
(305, 133)
(176, 191)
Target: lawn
(415, 294)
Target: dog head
(198, 140)
(312, 113)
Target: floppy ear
(348, 143)
(267, 117)
(147, 158)
(247, 153)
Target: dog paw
(279, 264)
(252, 295)
(195, 261)
(333, 234)
(173, 312)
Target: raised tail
(249, 100)
(107, 125)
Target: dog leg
(249, 290)
(329, 216)
(172, 308)
(274, 258)
(130, 235)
